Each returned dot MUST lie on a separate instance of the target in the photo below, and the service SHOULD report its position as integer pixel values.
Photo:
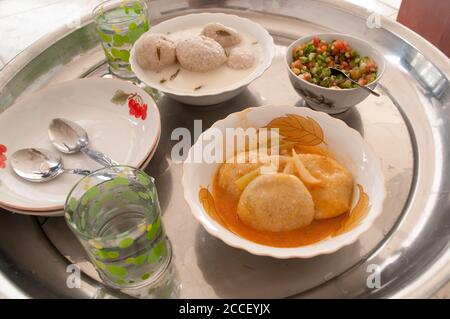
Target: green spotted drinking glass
(115, 214)
(119, 25)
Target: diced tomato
(297, 64)
(331, 64)
(321, 48)
(342, 46)
(362, 81)
(354, 74)
(338, 44)
(306, 76)
(316, 41)
(371, 64)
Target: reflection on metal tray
(407, 127)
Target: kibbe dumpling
(276, 202)
(225, 36)
(241, 58)
(200, 54)
(155, 51)
(235, 168)
(334, 194)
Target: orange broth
(226, 214)
(226, 208)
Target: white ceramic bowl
(194, 20)
(328, 100)
(349, 148)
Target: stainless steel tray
(407, 127)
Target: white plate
(199, 20)
(111, 129)
(344, 142)
(60, 212)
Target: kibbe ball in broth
(241, 58)
(200, 54)
(276, 202)
(225, 36)
(237, 167)
(333, 196)
(155, 51)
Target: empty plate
(127, 132)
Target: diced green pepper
(326, 72)
(325, 82)
(309, 49)
(346, 84)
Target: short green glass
(119, 25)
(115, 214)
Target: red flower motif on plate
(136, 105)
(3, 150)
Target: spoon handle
(366, 88)
(99, 157)
(77, 171)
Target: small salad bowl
(334, 100)
(346, 145)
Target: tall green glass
(115, 214)
(119, 25)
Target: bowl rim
(236, 241)
(258, 72)
(306, 38)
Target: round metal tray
(407, 127)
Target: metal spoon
(336, 72)
(69, 137)
(40, 165)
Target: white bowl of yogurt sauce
(215, 86)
